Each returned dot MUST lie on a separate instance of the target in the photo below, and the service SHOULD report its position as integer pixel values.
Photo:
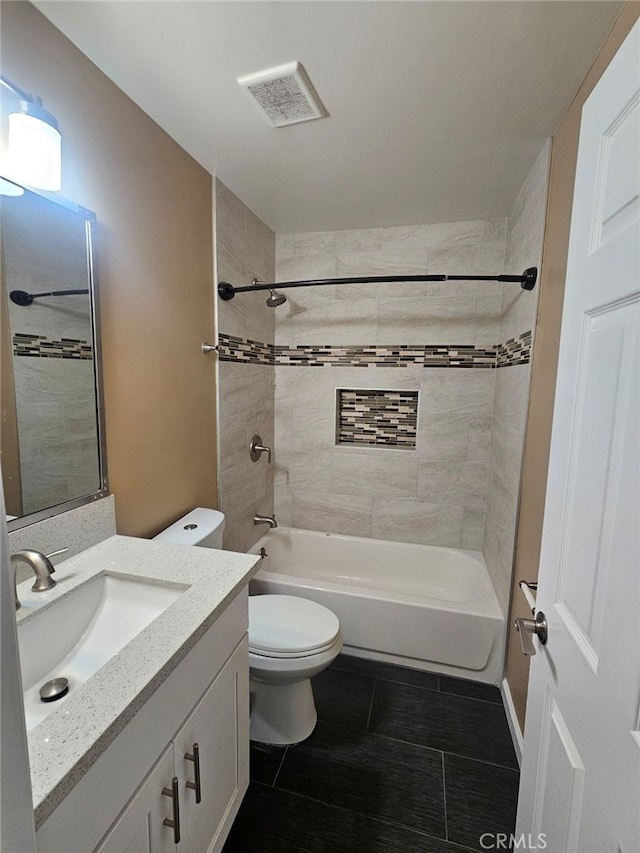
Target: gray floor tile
(443, 721)
(397, 782)
(348, 790)
(471, 689)
(481, 798)
(387, 671)
(274, 821)
(264, 762)
(343, 698)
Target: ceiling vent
(284, 94)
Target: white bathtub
(415, 605)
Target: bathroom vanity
(150, 753)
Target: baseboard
(512, 719)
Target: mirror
(51, 432)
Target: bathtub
(414, 605)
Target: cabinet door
(219, 725)
(139, 828)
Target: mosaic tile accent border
(373, 417)
(399, 355)
(514, 351)
(231, 348)
(39, 346)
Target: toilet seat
(285, 626)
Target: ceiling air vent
(284, 94)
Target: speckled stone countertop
(66, 744)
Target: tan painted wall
(155, 268)
(545, 352)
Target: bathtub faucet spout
(266, 519)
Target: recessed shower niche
(374, 417)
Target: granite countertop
(69, 741)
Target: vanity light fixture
(31, 153)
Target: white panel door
(581, 771)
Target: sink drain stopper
(54, 689)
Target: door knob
(527, 628)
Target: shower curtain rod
(21, 297)
(527, 281)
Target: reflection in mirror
(50, 435)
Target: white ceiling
(437, 110)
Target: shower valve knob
(256, 448)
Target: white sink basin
(81, 632)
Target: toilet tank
(201, 526)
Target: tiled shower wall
(435, 493)
(518, 308)
(459, 486)
(245, 250)
(463, 346)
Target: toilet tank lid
(193, 527)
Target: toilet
(291, 639)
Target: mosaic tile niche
(372, 417)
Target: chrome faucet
(266, 519)
(42, 569)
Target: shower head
(275, 299)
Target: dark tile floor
(401, 761)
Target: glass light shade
(33, 155)
(7, 188)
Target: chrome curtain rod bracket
(527, 281)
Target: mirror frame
(92, 280)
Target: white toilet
(291, 639)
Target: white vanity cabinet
(219, 726)
(119, 804)
(210, 765)
(140, 828)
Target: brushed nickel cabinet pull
(175, 823)
(197, 785)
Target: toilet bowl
(291, 640)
